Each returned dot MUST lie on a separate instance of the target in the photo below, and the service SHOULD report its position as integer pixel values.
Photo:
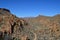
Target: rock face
(36, 28)
(10, 24)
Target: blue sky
(31, 8)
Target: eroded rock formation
(9, 23)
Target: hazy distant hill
(34, 28)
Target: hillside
(35, 28)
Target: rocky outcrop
(9, 23)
